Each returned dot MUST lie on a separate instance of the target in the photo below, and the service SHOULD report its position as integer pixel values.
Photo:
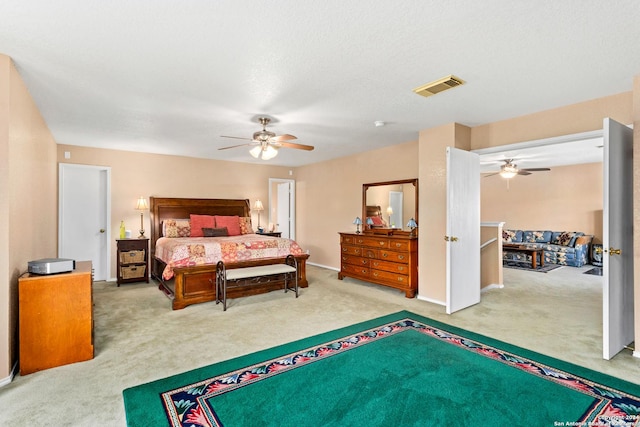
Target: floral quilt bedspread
(192, 251)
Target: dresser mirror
(388, 206)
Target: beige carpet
(138, 338)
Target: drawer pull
(398, 245)
(381, 243)
(385, 254)
(344, 249)
(364, 271)
(375, 264)
(375, 274)
(363, 261)
(400, 256)
(400, 279)
(400, 268)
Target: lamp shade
(369, 221)
(357, 221)
(412, 223)
(142, 204)
(389, 210)
(258, 206)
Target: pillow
(231, 222)
(198, 222)
(176, 228)
(563, 238)
(215, 232)
(377, 221)
(245, 225)
(512, 236)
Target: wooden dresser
(389, 260)
(56, 318)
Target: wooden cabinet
(390, 260)
(133, 261)
(272, 233)
(55, 318)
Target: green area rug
(398, 370)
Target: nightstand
(133, 260)
(272, 234)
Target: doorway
(282, 207)
(84, 214)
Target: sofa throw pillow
(564, 238)
(215, 232)
(198, 222)
(245, 225)
(231, 222)
(535, 236)
(512, 236)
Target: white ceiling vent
(439, 85)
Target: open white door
(284, 209)
(617, 239)
(463, 229)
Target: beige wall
(28, 217)
(140, 174)
(329, 195)
(567, 198)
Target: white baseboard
(434, 301)
(492, 286)
(7, 380)
(636, 353)
(323, 266)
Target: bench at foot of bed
(193, 285)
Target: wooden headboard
(177, 208)
(374, 211)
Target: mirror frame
(388, 231)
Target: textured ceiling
(172, 76)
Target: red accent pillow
(231, 222)
(198, 222)
(377, 220)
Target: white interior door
(463, 229)
(396, 202)
(617, 239)
(84, 215)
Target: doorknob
(102, 230)
(614, 252)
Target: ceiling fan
(266, 144)
(510, 169)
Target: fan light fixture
(509, 171)
(265, 153)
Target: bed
(192, 282)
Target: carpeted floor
(138, 338)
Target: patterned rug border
(612, 407)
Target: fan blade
(285, 137)
(295, 145)
(236, 137)
(234, 146)
(535, 169)
(523, 172)
(492, 174)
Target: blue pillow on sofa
(512, 236)
(531, 236)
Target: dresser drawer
(392, 267)
(355, 260)
(385, 255)
(348, 239)
(399, 245)
(356, 269)
(373, 242)
(351, 250)
(393, 278)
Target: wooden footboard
(193, 285)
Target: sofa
(572, 248)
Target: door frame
(292, 203)
(105, 253)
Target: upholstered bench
(289, 269)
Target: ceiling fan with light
(266, 144)
(509, 169)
